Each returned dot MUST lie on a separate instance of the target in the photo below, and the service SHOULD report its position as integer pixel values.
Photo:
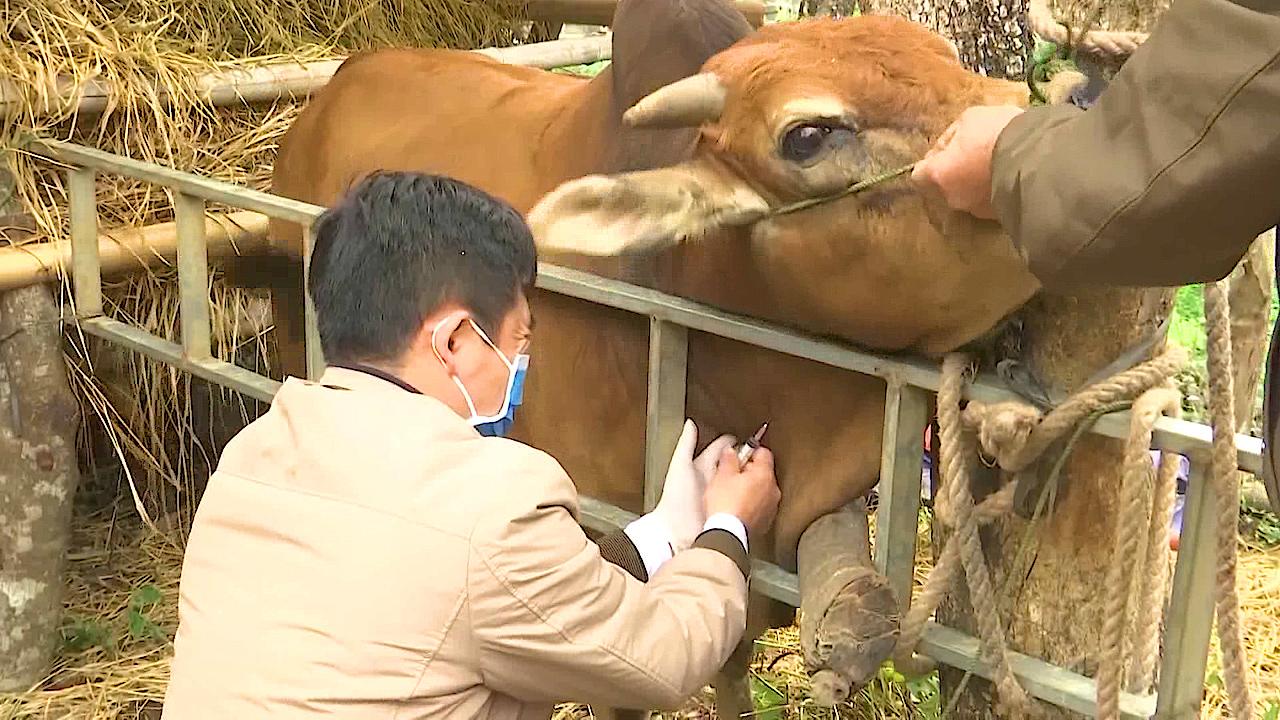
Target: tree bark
(828, 8)
(1249, 296)
(992, 37)
(39, 419)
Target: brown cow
(791, 112)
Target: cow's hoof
(854, 637)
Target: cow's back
(450, 112)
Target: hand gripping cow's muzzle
(848, 614)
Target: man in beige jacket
(371, 548)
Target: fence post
(1191, 607)
(668, 370)
(906, 415)
(315, 354)
(86, 265)
(193, 276)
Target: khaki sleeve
(555, 622)
(618, 549)
(1171, 175)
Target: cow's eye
(804, 142)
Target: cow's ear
(642, 211)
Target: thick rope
(1155, 581)
(1097, 42)
(1016, 435)
(956, 485)
(1131, 532)
(1224, 466)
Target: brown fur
(886, 271)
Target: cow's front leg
(849, 615)
(619, 714)
(733, 690)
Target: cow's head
(803, 110)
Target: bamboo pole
(131, 249)
(291, 80)
(600, 12)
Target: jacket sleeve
(1171, 175)
(554, 622)
(618, 549)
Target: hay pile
(166, 429)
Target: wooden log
(848, 614)
(131, 249)
(600, 12)
(276, 81)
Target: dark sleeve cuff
(725, 543)
(618, 549)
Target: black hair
(397, 246)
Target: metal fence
(1190, 611)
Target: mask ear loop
(466, 396)
(510, 365)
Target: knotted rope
(1097, 42)
(1017, 435)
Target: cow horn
(684, 103)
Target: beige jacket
(362, 552)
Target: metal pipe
(600, 12)
(122, 250)
(275, 81)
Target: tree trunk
(992, 37)
(828, 8)
(39, 419)
(1053, 606)
(1249, 296)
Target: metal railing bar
(201, 187)
(664, 417)
(1189, 618)
(1171, 434)
(1050, 683)
(193, 277)
(86, 263)
(906, 414)
(311, 330)
(216, 371)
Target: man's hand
(681, 508)
(958, 167)
(750, 494)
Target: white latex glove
(682, 507)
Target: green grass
(590, 70)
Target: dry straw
(148, 54)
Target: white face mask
(499, 423)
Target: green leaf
(1272, 712)
(1043, 52)
(768, 701)
(81, 634)
(146, 595)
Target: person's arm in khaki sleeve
(1165, 181)
(554, 622)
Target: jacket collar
(380, 374)
(364, 381)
